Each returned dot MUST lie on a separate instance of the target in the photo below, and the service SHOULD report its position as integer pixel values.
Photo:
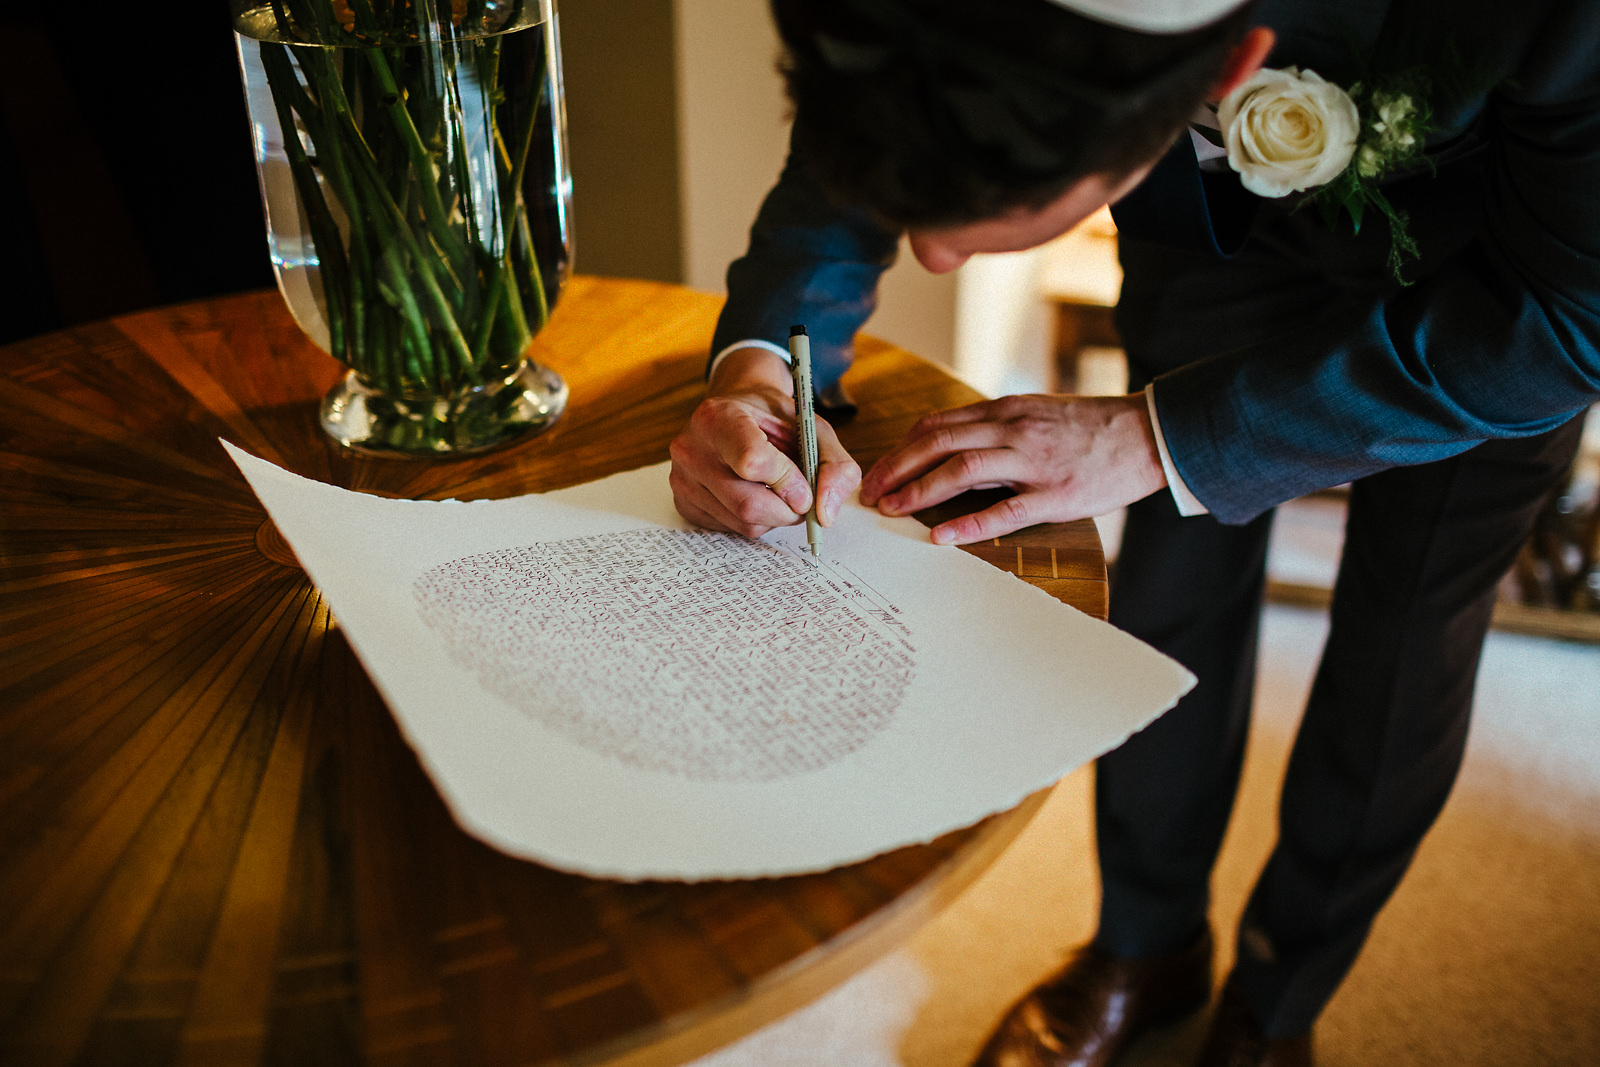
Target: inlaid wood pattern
(216, 848)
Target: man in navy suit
(1276, 352)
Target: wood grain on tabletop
(215, 846)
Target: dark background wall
(126, 177)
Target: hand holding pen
(734, 465)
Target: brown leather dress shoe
(1236, 1040)
(1096, 1005)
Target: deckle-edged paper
(596, 685)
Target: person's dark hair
(939, 112)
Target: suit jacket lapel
(1177, 205)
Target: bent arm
(809, 261)
(1502, 340)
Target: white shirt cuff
(1188, 503)
(777, 350)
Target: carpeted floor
(1489, 953)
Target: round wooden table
(215, 847)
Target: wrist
(1140, 443)
(743, 370)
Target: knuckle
(745, 461)
(748, 510)
(683, 486)
(1027, 432)
(706, 414)
(970, 464)
(1015, 510)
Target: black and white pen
(806, 421)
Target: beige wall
(732, 128)
(622, 129)
(678, 127)
(732, 137)
(676, 119)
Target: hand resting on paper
(1068, 457)
(733, 465)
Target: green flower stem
(406, 272)
(367, 23)
(525, 236)
(519, 172)
(393, 101)
(347, 279)
(395, 233)
(404, 362)
(324, 232)
(379, 362)
(513, 307)
(516, 220)
(332, 152)
(519, 165)
(384, 203)
(280, 16)
(421, 359)
(433, 210)
(310, 15)
(491, 301)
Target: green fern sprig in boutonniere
(1290, 131)
(1395, 120)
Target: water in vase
(414, 174)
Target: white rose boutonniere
(1287, 131)
(1291, 131)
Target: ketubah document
(596, 685)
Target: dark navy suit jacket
(1285, 358)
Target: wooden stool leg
(1080, 326)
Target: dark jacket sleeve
(1502, 340)
(809, 262)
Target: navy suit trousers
(1386, 722)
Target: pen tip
(797, 331)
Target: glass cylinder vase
(413, 165)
